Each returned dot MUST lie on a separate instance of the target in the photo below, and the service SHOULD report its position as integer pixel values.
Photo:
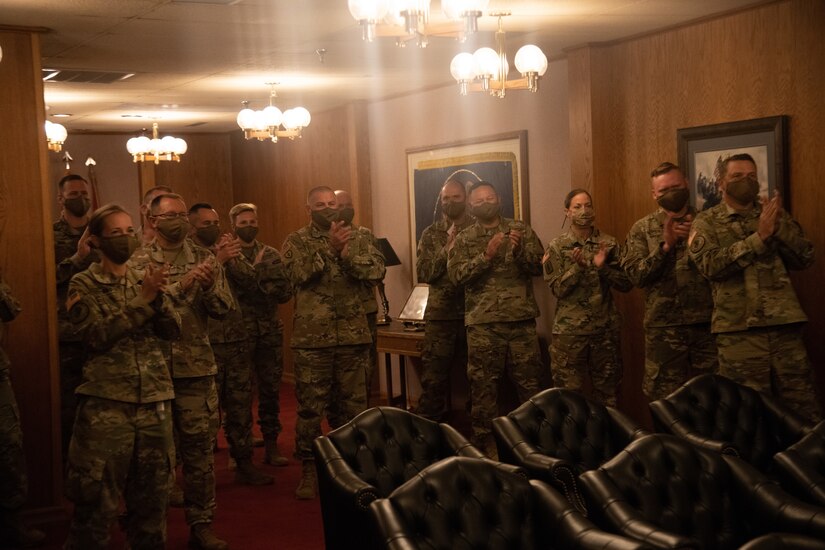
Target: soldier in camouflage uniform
(71, 255)
(198, 290)
(147, 232)
(494, 260)
(678, 304)
(581, 267)
(14, 483)
(327, 265)
(229, 340)
(122, 442)
(259, 278)
(445, 338)
(745, 245)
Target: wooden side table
(393, 339)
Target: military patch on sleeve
(78, 312)
(288, 253)
(548, 268)
(697, 243)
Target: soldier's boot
(306, 487)
(257, 441)
(17, 534)
(231, 465)
(202, 537)
(272, 455)
(247, 474)
(175, 496)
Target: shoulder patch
(79, 312)
(697, 243)
(288, 253)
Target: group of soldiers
(717, 295)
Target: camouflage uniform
(260, 289)
(193, 369)
(500, 312)
(122, 442)
(71, 349)
(586, 323)
(678, 305)
(445, 338)
(330, 334)
(13, 479)
(756, 314)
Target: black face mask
(454, 210)
(346, 215)
(324, 218)
(247, 233)
(486, 212)
(208, 235)
(77, 206)
(119, 248)
(673, 200)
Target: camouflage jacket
(749, 278)
(329, 304)
(500, 290)
(232, 327)
(120, 331)
(191, 355)
(9, 308)
(446, 299)
(676, 293)
(260, 288)
(584, 302)
(368, 287)
(65, 248)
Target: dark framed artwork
(703, 148)
(500, 160)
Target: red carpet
(249, 518)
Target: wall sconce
(55, 136)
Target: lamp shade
(486, 62)
(462, 67)
(368, 10)
(530, 59)
(55, 132)
(296, 118)
(246, 119)
(271, 116)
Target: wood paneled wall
(628, 99)
(27, 262)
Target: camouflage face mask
(673, 200)
(208, 235)
(119, 248)
(743, 190)
(324, 218)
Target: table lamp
(390, 259)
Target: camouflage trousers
(119, 449)
(490, 348)
(266, 352)
(772, 360)
(575, 357)
(195, 413)
(445, 348)
(234, 387)
(372, 321)
(321, 376)
(71, 358)
(674, 355)
(13, 480)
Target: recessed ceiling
(194, 61)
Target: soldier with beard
(494, 260)
(445, 338)
(581, 267)
(745, 246)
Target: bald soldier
(445, 338)
(678, 304)
(745, 246)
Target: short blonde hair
(240, 208)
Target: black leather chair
(558, 434)
(785, 541)
(801, 467)
(470, 503)
(662, 490)
(367, 458)
(716, 413)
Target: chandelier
(55, 136)
(155, 150)
(407, 20)
(486, 70)
(266, 123)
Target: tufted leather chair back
(468, 503)
(717, 408)
(677, 487)
(386, 446)
(566, 425)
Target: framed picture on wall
(500, 160)
(703, 148)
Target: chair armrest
(793, 424)
(605, 497)
(458, 443)
(625, 425)
(341, 479)
(391, 528)
(665, 417)
(796, 471)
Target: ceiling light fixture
(407, 20)
(55, 136)
(486, 70)
(156, 149)
(266, 123)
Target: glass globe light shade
(461, 67)
(486, 62)
(455, 9)
(140, 145)
(303, 117)
(530, 59)
(56, 133)
(245, 118)
(179, 147)
(133, 146)
(155, 146)
(369, 10)
(296, 118)
(271, 116)
(167, 144)
(259, 121)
